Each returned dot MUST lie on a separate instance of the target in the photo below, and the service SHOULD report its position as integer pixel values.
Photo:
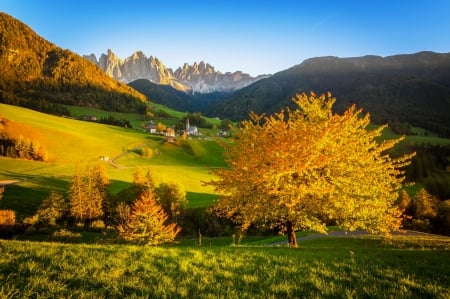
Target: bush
(7, 217)
(98, 225)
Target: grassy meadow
(71, 142)
(320, 268)
(97, 267)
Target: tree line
(143, 213)
(20, 141)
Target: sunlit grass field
(71, 142)
(320, 268)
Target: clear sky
(256, 37)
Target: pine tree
(143, 181)
(146, 223)
(77, 195)
(426, 205)
(88, 193)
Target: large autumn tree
(300, 168)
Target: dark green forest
(414, 89)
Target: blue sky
(255, 37)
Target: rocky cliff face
(203, 78)
(196, 78)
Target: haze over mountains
(413, 88)
(195, 78)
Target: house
(224, 133)
(90, 117)
(170, 132)
(151, 128)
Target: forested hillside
(183, 101)
(39, 75)
(407, 88)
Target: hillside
(408, 88)
(38, 74)
(70, 142)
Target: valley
(72, 142)
(105, 194)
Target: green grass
(135, 119)
(71, 142)
(322, 268)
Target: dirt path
(344, 234)
(112, 161)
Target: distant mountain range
(413, 88)
(196, 78)
(39, 75)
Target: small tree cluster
(88, 193)
(20, 141)
(145, 213)
(423, 212)
(53, 209)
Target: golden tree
(88, 193)
(146, 223)
(298, 169)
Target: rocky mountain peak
(199, 77)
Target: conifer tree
(77, 195)
(143, 181)
(88, 192)
(146, 223)
(299, 168)
(425, 204)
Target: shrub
(98, 225)
(7, 217)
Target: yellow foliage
(308, 165)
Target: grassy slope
(70, 142)
(321, 268)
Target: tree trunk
(292, 238)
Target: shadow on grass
(25, 197)
(200, 200)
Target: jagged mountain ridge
(196, 78)
(413, 88)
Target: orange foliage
(7, 217)
(146, 223)
(18, 140)
(300, 168)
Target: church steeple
(187, 124)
